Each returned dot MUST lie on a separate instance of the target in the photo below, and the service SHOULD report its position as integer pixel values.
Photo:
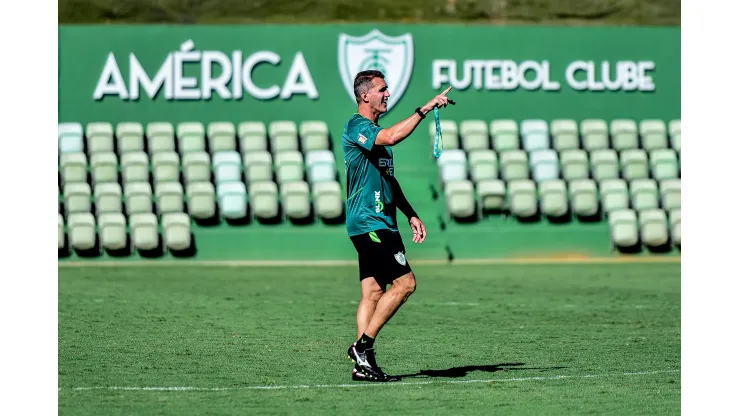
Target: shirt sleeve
(365, 134)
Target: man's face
(378, 95)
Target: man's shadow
(456, 372)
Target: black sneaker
(365, 365)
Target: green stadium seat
(623, 226)
(161, 136)
(670, 194)
(604, 164)
(165, 167)
(221, 136)
(232, 199)
(227, 167)
(196, 167)
(264, 199)
(535, 135)
(73, 167)
(653, 134)
(522, 198)
(653, 227)
(62, 242)
(453, 166)
(191, 137)
(624, 134)
(138, 198)
(176, 230)
(296, 199)
(258, 166)
(170, 197)
(553, 198)
(99, 137)
(450, 139)
(483, 165)
(201, 197)
(108, 198)
(77, 198)
(327, 199)
(283, 136)
(112, 231)
(252, 136)
(135, 167)
(130, 137)
(574, 164)
(614, 195)
(674, 131)
(595, 134)
(674, 219)
(81, 226)
(491, 195)
(644, 194)
(314, 136)
(514, 165)
(70, 137)
(321, 166)
(663, 164)
(634, 164)
(564, 134)
(144, 231)
(104, 167)
(584, 197)
(505, 135)
(289, 166)
(474, 135)
(460, 199)
(544, 165)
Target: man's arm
(403, 129)
(400, 200)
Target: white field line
(318, 263)
(369, 384)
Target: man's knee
(406, 284)
(371, 291)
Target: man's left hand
(420, 231)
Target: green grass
(236, 328)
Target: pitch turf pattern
(479, 339)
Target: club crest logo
(400, 258)
(394, 56)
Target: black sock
(365, 342)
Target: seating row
(651, 227)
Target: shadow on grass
(456, 372)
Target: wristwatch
(418, 111)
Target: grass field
(479, 339)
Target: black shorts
(381, 255)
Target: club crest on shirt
(362, 139)
(400, 258)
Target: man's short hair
(364, 81)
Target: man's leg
(389, 303)
(371, 294)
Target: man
(373, 194)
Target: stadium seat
(514, 165)
(453, 166)
(258, 166)
(327, 198)
(614, 195)
(574, 164)
(221, 137)
(504, 135)
(523, 198)
(296, 200)
(176, 230)
(112, 231)
(166, 167)
(62, 242)
(595, 134)
(674, 131)
(289, 166)
(321, 166)
(653, 227)
(653, 134)
(564, 134)
(196, 167)
(81, 226)
(674, 219)
(663, 164)
(130, 137)
(144, 231)
(535, 135)
(104, 167)
(252, 136)
(483, 165)
(644, 194)
(634, 164)
(450, 139)
(544, 165)
(170, 197)
(232, 199)
(553, 198)
(491, 195)
(604, 164)
(77, 198)
(161, 136)
(474, 135)
(191, 137)
(460, 199)
(138, 198)
(135, 167)
(108, 198)
(99, 137)
(70, 138)
(670, 194)
(283, 136)
(623, 134)
(73, 167)
(584, 199)
(314, 136)
(264, 199)
(623, 226)
(227, 167)
(201, 197)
